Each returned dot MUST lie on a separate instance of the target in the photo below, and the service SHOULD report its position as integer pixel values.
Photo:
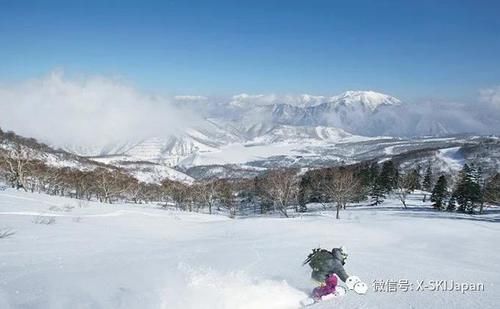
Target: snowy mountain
(370, 100)
(244, 117)
(247, 117)
(365, 113)
(305, 110)
(264, 131)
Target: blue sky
(410, 49)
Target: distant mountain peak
(368, 99)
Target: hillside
(12, 144)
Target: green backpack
(317, 257)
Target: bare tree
(135, 191)
(111, 184)
(32, 179)
(178, 192)
(152, 192)
(207, 193)
(404, 185)
(281, 186)
(341, 186)
(86, 185)
(16, 163)
(225, 194)
(492, 190)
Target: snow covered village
(249, 155)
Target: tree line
(469, 193)
(277, 190)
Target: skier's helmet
(340, 253)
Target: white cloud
(190, 98)
(92, 111)
(491, 96)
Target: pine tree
(377, 193)
(374, 172)
(440, 193)
(460, 193)
(475, 190)
(304, 188)
(365, 176)
(418, 176)
(468, 191)
(388, 176)
(477, 174)
(427, 184)
(451, 203)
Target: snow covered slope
(145, 171)
(199, 148)
(295, 146)
(126, 256)
(31, 149)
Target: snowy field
(72, 254)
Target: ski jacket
(332, 263)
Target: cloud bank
(93, 111)
(491, 96)
(436, 118)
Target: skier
(327, 266)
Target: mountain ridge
(250, 128)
